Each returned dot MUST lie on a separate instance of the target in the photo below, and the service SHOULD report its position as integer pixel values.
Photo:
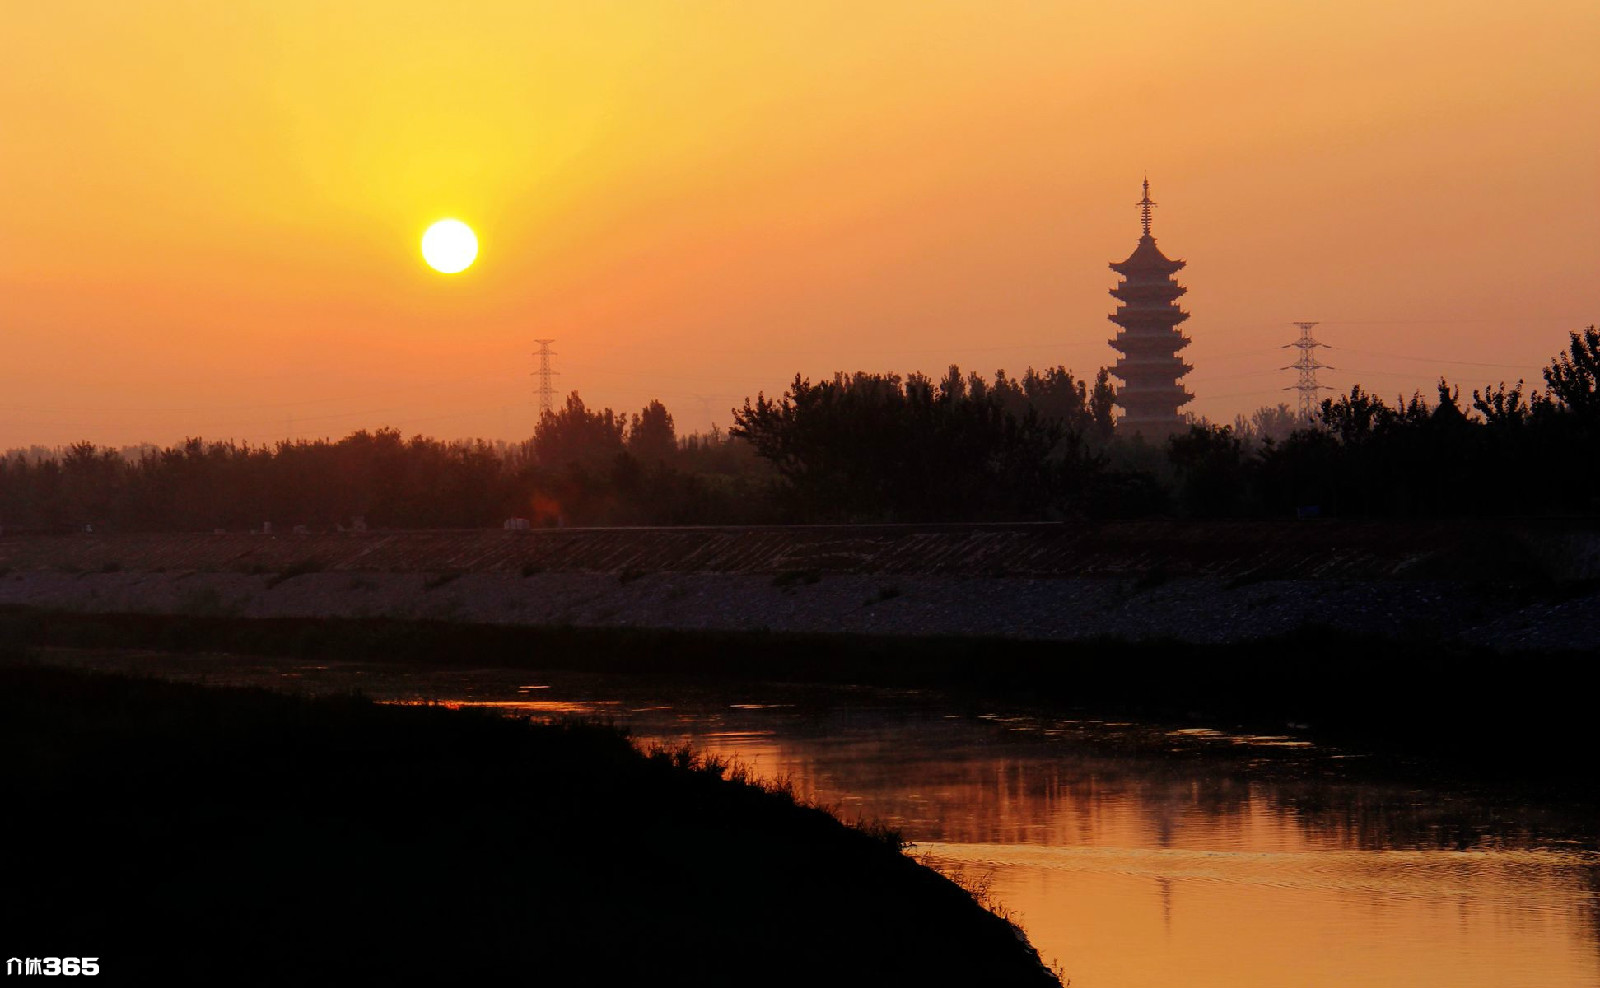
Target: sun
(449, 246)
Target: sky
(211, 212)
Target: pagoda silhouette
(1149, 340)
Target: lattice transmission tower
(546, 389)
(1307, 365)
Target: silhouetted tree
(651, 437)
(1273, 423)
(879, 447)
(1101, 402)
(1572, 375)
(1212, 479)
(576, 436)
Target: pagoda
(1149, 341)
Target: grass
(687, 758)
(246, 837)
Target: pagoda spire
(1145, 205)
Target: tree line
(867, 448)
(582, 466)
(1506, 450)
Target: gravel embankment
(1504, 587)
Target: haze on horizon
(212, 211)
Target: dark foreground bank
(186, 834)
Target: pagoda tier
(1149, 369)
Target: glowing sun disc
(449, 246)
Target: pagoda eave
(1165, 343)
(1159, 294)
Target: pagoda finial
(1145, 205)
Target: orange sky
(211, 211)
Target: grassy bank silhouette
(188, 834)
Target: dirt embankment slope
(1506, 584)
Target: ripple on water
(1522, 872)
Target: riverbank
(1509, 586)
(1473, 711)
(1062, 814)
(186, 834)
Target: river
(1131, 854)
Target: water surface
(1132, 854)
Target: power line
(1241, 394)
(1439, 360)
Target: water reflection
(1134, 855)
